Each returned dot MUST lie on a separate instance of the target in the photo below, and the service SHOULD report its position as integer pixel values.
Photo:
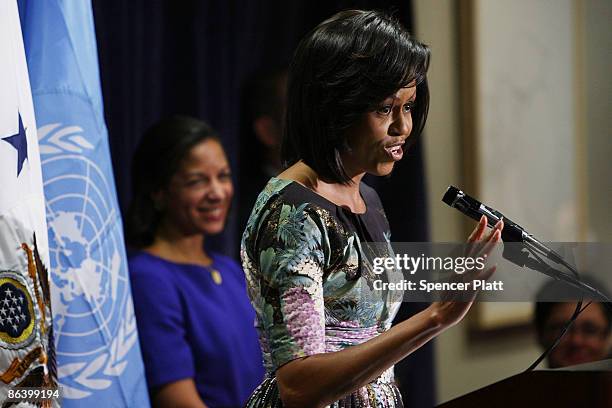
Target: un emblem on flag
(17, 317)
(94, 319)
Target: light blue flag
(98, 354)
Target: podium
(585, 385)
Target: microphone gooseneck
(513, 232)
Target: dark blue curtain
(158, 58)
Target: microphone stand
(520, 256)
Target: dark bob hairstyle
(342, 69)
(157, 158)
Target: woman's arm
(178, 394)
(321, 379)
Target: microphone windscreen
(451, 195)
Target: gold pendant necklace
(216, 276)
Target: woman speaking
(357, 97)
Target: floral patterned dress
(305, 264)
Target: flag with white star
(26, 346)
(99, 363)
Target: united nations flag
(98, 356)
(26, 332)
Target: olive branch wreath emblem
(53, 140)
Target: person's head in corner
(587, 340)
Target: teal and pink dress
(304, 262)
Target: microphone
(512, 232)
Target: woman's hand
(454, 306)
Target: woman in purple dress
(194, 319)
